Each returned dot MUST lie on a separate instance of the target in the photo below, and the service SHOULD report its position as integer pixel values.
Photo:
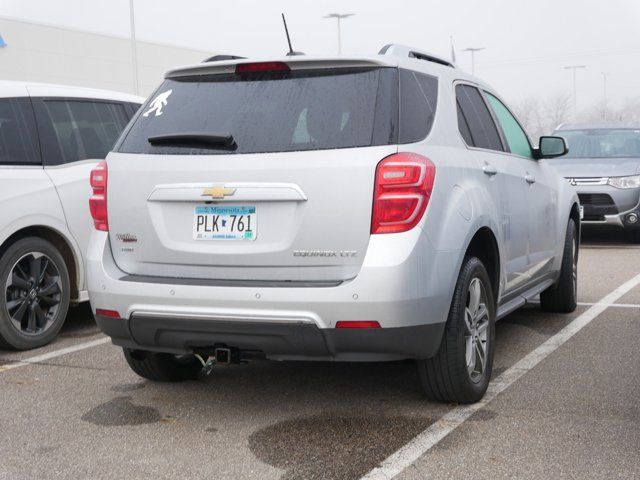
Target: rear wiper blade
(195, 139)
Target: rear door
(26, 192)
(537, 188)
(74, 135)
(503, 179)
(263, 176)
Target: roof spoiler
(222, 58)
(301, 62)
(404, 51)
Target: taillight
(403, 187)
(98, 201)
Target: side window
(513, 133)
(482, 129)
(134, 108)
(18, 144)
(463, 126)
(74, 130)
(418, 98)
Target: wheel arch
(484, 246)
(59, 241)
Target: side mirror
(551, 147)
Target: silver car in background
(347, 208)
(603, 164)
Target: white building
(46, 53)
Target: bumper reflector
(357, 324)
(107, 313)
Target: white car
(51, 136)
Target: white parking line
(56, 353)
(430, 437)
(617, 305)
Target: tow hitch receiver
(223, 356)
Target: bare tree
(630, 112)
(542, 116)
(528, 112)
(556, 111)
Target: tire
(162, 367)
(455, 373)
(562, 297)
(32, 310)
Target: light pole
(604, 98)
(134, 49)
(575, 68)
(473, 51)
(338, 17)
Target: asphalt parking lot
(571, 412)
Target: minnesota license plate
(225, 222)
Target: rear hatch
(265, 174)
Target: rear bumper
(277, 341)
(404, 284)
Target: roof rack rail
(222, 58)
(409, 52)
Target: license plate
(225, 222)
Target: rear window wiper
(195, 139)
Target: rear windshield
(268, 112)
(602, 143)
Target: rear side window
(73, 130)
(269, 112)
(418, 98)
(463, 126)
(479, 122)
(513, 132)
(18, 143)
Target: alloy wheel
(476, 317)
(33, 293)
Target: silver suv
(349, 209)
(51, 136)
(603, 164)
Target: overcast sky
(527, 41)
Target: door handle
(530, 178)
(489, 170)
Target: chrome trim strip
(219, 317)
(244, 192)
(587, 181)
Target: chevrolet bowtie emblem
(218, 192)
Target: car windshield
(602, 143)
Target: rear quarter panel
(459, 206)
(28, 199)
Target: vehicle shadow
(80, 322)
